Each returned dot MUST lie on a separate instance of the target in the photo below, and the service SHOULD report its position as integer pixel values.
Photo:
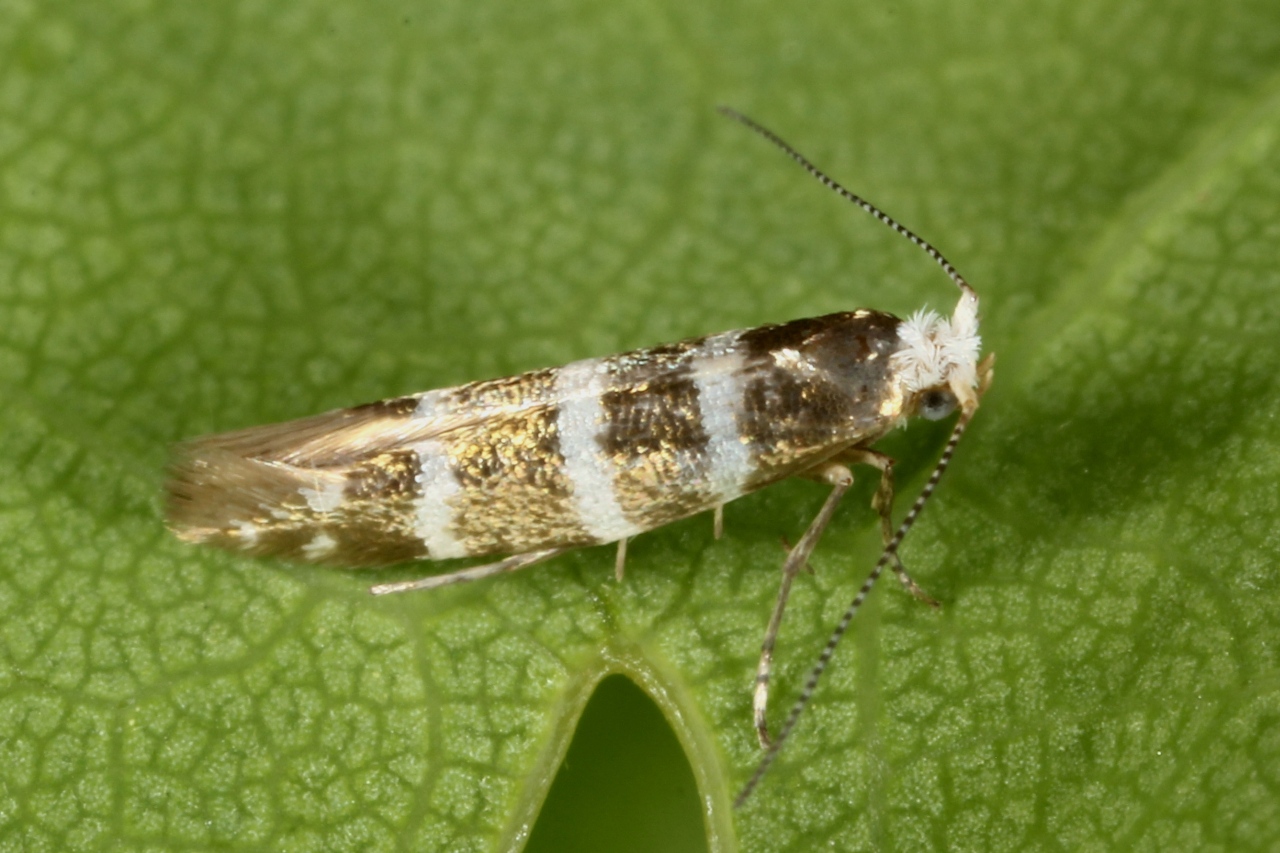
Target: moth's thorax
(816, 386)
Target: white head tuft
(939, 351)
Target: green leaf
(218, 215)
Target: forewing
(337, 487)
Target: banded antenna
(890, 552)
(834, 185)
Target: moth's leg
(717, 521)
(786, 549)
(986, 369)
(620, 563)
(840, 479)
(882, 503)
(475, 573)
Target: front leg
(882, 503)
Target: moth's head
(937, 365)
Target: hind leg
(474, 573)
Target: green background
(214, 215)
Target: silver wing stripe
(433, 516)
(719, 378)
(578, 389)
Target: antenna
(861, 202)
(968, 405)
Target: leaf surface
(218, 215)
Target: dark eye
(937, 404)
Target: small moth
(529, 467)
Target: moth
(526, 468)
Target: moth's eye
(937, 404)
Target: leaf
(217, 215)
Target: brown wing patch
(815, 386)
(262, 508)
(515, 495)
(374, 524)
(653, 433)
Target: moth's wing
(333, 439)
(277, 489)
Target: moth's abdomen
(589, 453)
